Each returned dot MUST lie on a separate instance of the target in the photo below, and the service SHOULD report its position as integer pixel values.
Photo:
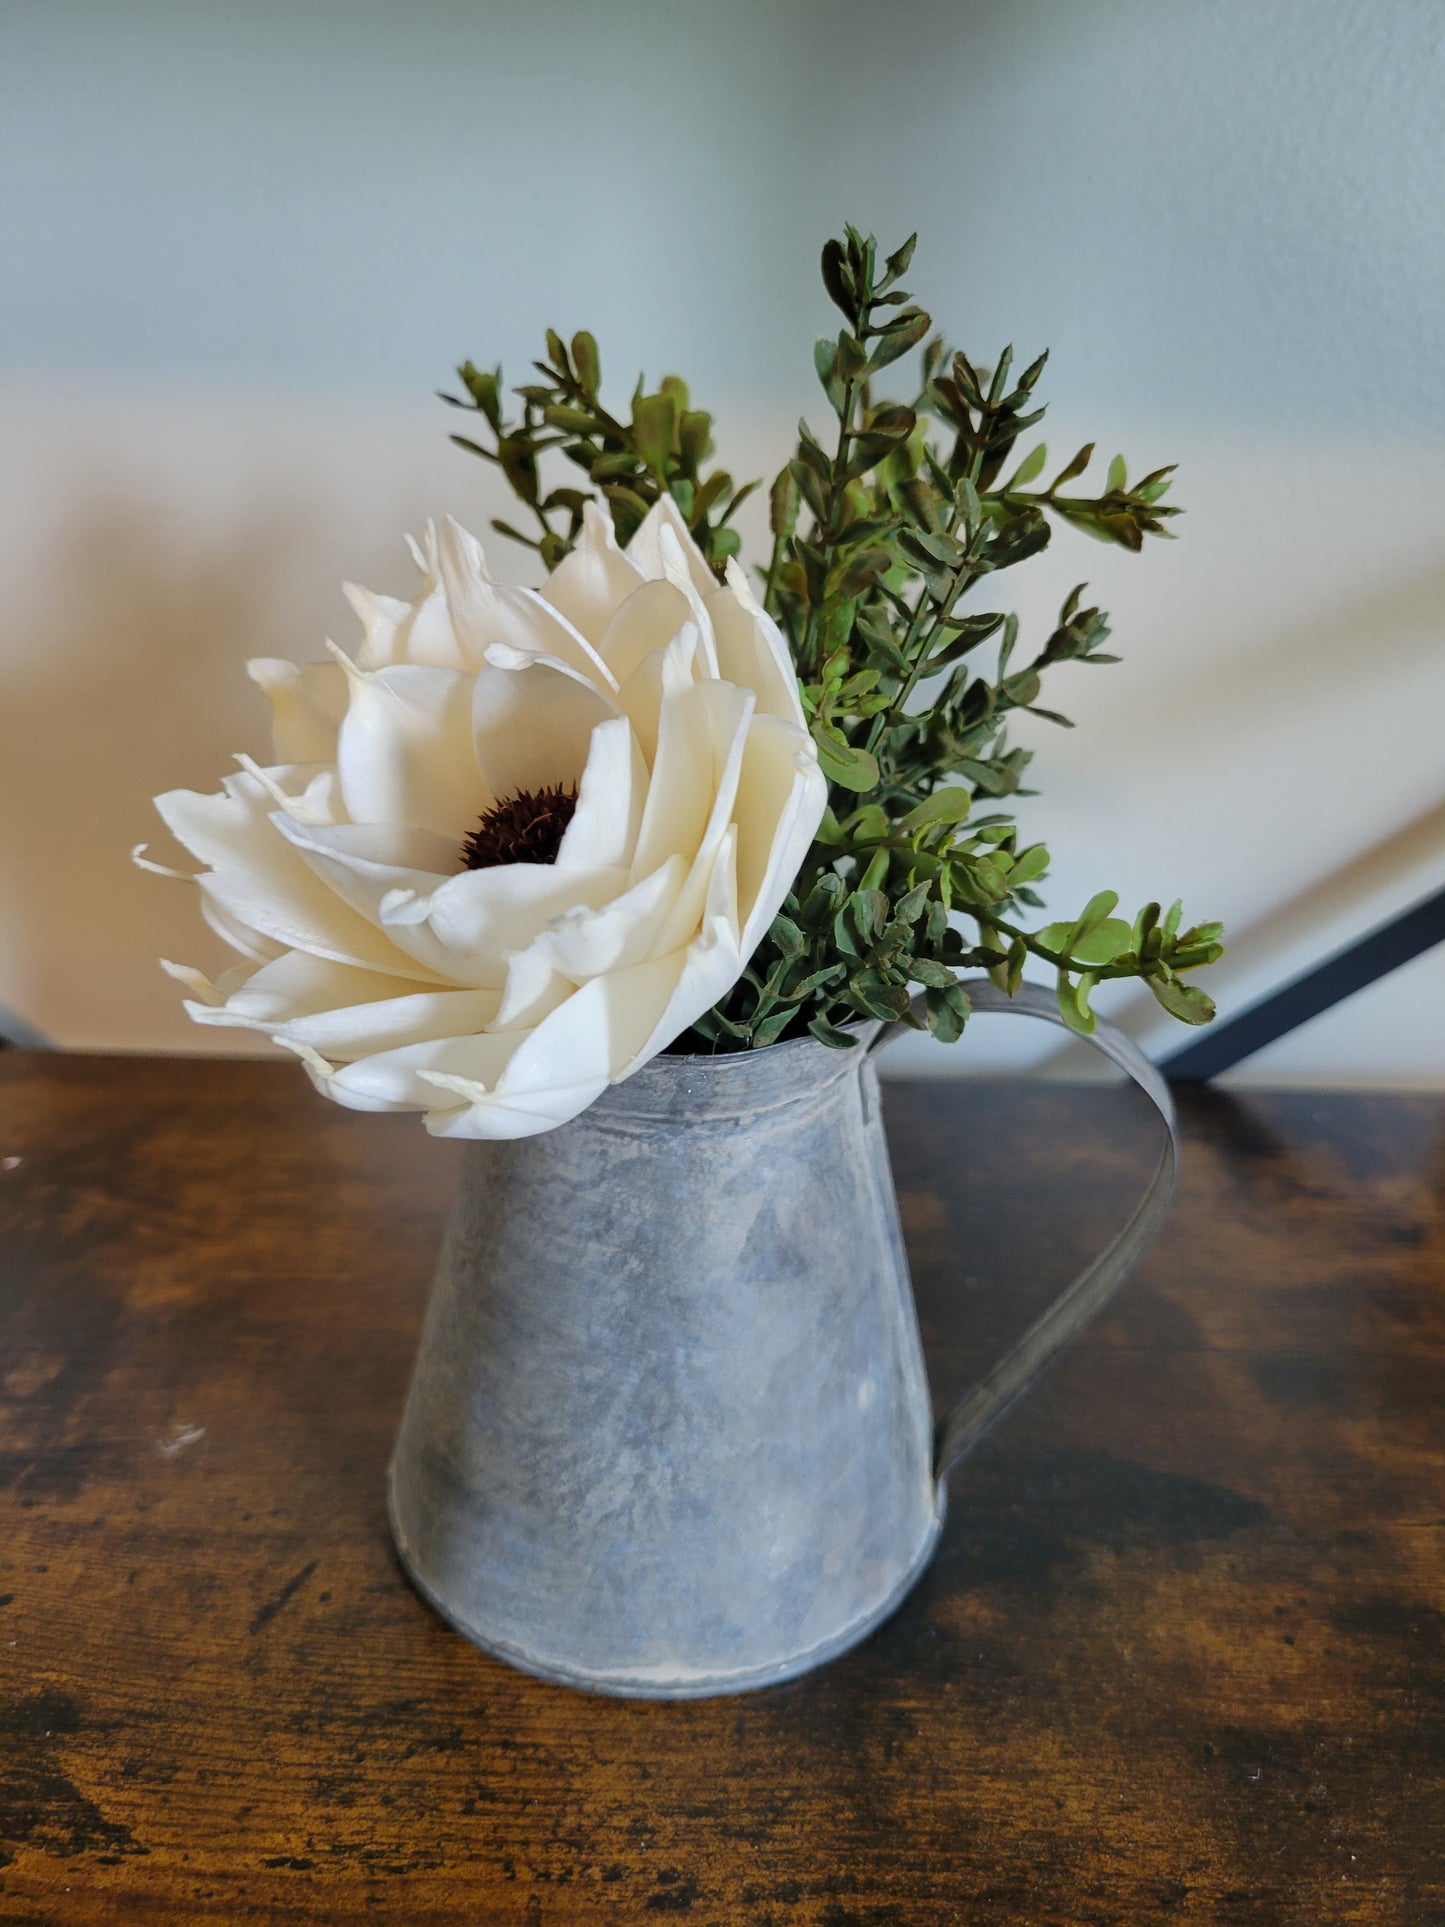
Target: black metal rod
(1329, 983)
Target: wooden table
(1180, 1657)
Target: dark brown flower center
(525, 828)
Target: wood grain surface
(1180, 1657)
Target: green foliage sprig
(877, 544)
(659, 448)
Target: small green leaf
(845, 763)
(827, 1033)
(787, 938)
(896, 341)
(835, 278)
(1014, 968)
(879, 999)
(946, 1012)
(519, 465)
(936, 976)
(585, 360)
(1191, 1006)
(628, 509)
(1030, 467)
(815, 980)
(892, 420)
(783, 503)
(1006, 645)
(576, 421)
(484, 388)
(1143, 924)
(1073, 1001)
(969, 506)
(868, 910)
(1055, 937)
(949, 805)
(1103, 942)
(654, 425)
(822, 901)
(512, 535)
(1028, 865)
(1118, 476)
(1095, 910)
(931, 549)
(694, 438)
(771, 1028)
(811, 489)
(851, 357)
(876, 875)
(1072, 469)
(897, 262)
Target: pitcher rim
(732, 1083)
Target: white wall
(241, 247)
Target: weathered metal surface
(669, 1429)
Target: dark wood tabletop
(1179, 1658)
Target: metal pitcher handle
(1082, 1300)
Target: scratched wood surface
(1180, 1657)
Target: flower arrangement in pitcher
(526, 839)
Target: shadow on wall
(1293, 927)
(1361, 644)
(140, 686)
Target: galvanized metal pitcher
(669, 1432)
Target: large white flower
(502, 999)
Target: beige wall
(240, 252)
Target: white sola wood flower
(521, 843)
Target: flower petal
(394, 1079)
(533, 990)
(781, 797)
(200, 986)
(751, 649)
(494, 1117)
(297, 985)
(648, 620)
(362, 861)
(306, 707)
(405, 750)
(239, 935)
(327, 1079)
(534, 725)
(419, 631)
(594, 580)
(485, 612)
(308, 792)
(258, 880)
(583, 942)
(675, 566)
(481, 917)
(698, 748)
(613, 789)
(351, 1030)
(645, 548)
(370, 866)
(563, 1065)
(664, 671)
(709, 967)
